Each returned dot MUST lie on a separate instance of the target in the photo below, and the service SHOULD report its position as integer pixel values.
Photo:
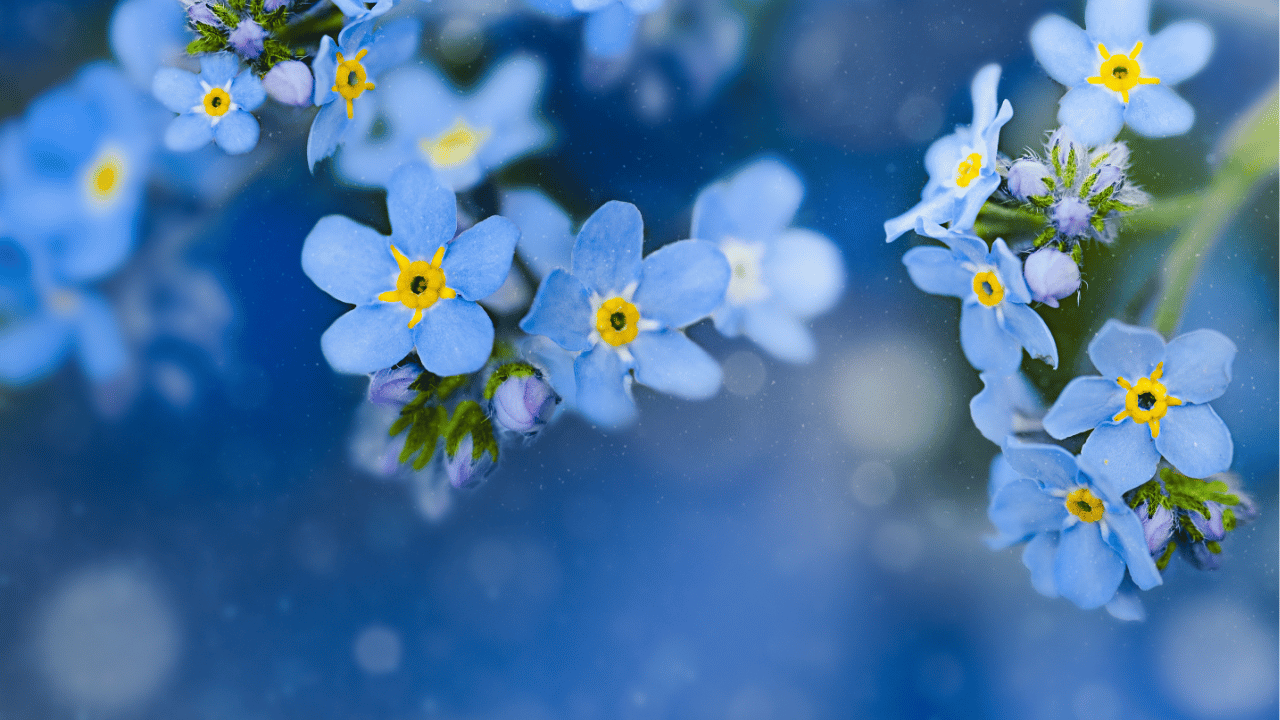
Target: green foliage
(1069, 173)
(504, 372)
(1177, 492)
(425, 416)
(470, 419)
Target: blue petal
(1177, 52)
(1157, 111)
(32, 348)
(1010, 268)
(391, 45)
(1118, 24)
(326, 132)
(963, 243)
(1063, 50)
(603, 395)
(323, 67)
(1038, 557)
(188, 132)
(1195, 441)
(477, 261)
(1002, 397)
(1085, 403)
(351, 262)
(711, 217)
(1125, 351)
(983, 93)
(1122, 453)
(546, 238)
(369, 338)
(1021, 509)
(1126, 604)
(454, 337)
(1000, 475)
(938, 209)
(424, 214)
(682, 283)
(237, 132)
(607, 33)
(177, 89)
(507, 102)
(1127, 530)
(1197, 365)
(779, 333)
(247, 91)
(1049, 465)
(557, 364)
(99, 340)
(1028, 327)
(986, 345)
(975, 196)
(606, 253)
(1086, 570)
(762, 198)
(217, 69)
(805, 271)
(561, 311)
(669, 362)
(1092, 112)
(937, 271)
(944, 155)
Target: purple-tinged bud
(289, 82)
(463, 470)
(524, 404)
(247, 39)
(200, 12)
(1200, 555)
(1211, 527)
(1063, 144)
(391, 386)
(1070, 216)
(1108, 176)
(1026, 179)
(1157, 526)
(1051, 275)
(273, 5)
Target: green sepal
(1057, 165)
(503, 373)
(425, 431)
(1175, 491)
(1077, 254)
(1103, 195)
(1045, 236)
(1098, 160)
(1069, 174)
(1041, 201)
(470, 419)
(1098, 223)
(1087, 185)
(440, 388)
(237, 5)
(1162, 562)
(205, 45)
(1213, 546)
(1050, 183)
(225, 14)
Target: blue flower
(623, 314)
(148, 34)
(546, 233)
(782, 276)
(419, 117)
(1109, 85)
(345, 71)
(611, 24)
(357, 11)
(213, 105)
(1151, 400)
(995, 321)
(1081, 535)
(415, 289)
(1007, 405)
(962, 165)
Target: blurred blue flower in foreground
(146, 35)
(1081, 534)
(995, 321)
(343, 72)
(624, 314)
(1007, 405)
(1108, 85)
(546, 232)
(962, 165)
(213, 105)
(781, 276)
(1149, 401)
(610, 26)
(419, 117)
(415, 289)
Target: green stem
(1002, 220)
(1249, 153)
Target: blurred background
(199, 543)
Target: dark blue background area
(716, 560)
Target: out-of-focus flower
(419, 117)
(214, 105)
(1108, 85)
(1051, 275)
(546, 233)
(289, 82)
(415, 289)
(1007, 405)
(624, 315)
(610, 26)
(146, 35)
(781, 276)
(1151, 400)
(962, 165)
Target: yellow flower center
(350, 80)
(217, 102)
(419, 285)
(1084, 505)
(454, 146)
(104, 177)
(1120, 72)
(986, 285)
(618, 321)
(1147, 401)
(967, 170)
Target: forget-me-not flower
(961, 166)
(213, 105)
(1081, 535)
(419, 117)
(1151, 400)
(345, 71)
(1007, 405)
(624, 314)
(546, 232)
(415, 289)
(610, 26)
(995, 321)
(146, 35)
(781, 276)
(1117, 72)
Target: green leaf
(1087, 185)
(228, 18)
(1102, 196)
(1069, 175)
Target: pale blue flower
(415, 289)
(546, 232)
(995, 321)
(214, 105)
(1117, 72)
(146, 35)
(420, 117)
(624, 314)
(782, 276)
(1081, 535)
(1007, 405)
(1151, 400)
(610, 26)
(961, 166)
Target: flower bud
(1157, 526)
(247, 39)
(465, 471)
(273, 5)
(1211, 527)
(524, 404)
(1071, 216)
(289, 82)
(1026, 179)
(1109, 176)
(391, 386)
(1051, 275)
